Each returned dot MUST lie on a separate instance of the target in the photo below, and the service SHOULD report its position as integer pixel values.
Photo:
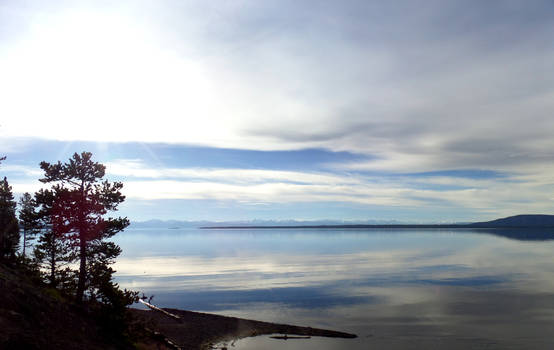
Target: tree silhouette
(80, 201)
(28, 219)
(9, 228)
(52, 252)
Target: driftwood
(286, 337)
(155, 308)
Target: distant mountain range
(238, 223)
(517, 221)
(528, 221)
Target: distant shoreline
(436, 226)
(518, 221)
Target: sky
(417, 111)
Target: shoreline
(430, 226)
(196, 330)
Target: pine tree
(9, 228)
(81, 199)
(28, 219)
(53, 253)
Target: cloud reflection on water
(464, 288)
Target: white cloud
(135, 168)
(519, 193)
(506, 195)
(21, 169)
(29, 186)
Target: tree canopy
(80, 199)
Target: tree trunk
(53, 268)
(82, 244)
(82, 269)
(2, 245)
(24, 241)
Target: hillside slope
(33, 316)
(528, 220)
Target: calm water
(405, 289)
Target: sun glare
(103, 68)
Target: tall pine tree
(28, 219)
(9, 228)
(81, 200)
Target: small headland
(195, 330)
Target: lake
(395, 289)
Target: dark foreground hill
(38, 318)
(33, 316)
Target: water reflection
(394, 288)
(520, 234)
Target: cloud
(438, 86)
(22, 170)
(135, 168)
(487, 193)
(416, 87)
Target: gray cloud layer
(457, 84)
(419, 85)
